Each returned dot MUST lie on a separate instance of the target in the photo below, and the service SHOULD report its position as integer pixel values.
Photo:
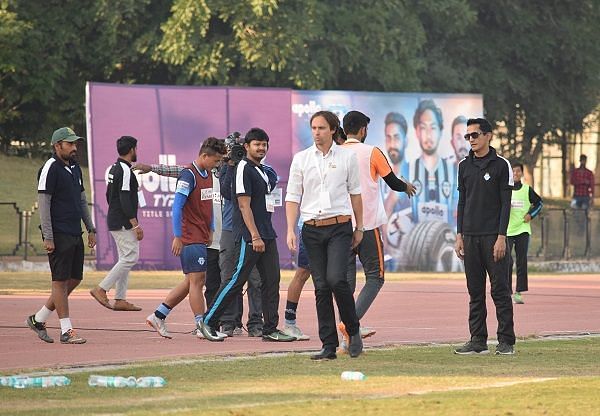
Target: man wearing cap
(372, 166)
(122, 198)
(62, 207)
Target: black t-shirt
(121, 195)
(65, 184)
(252, 180)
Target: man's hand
(357, 237)
(258, 245)
(459, 247)
(500, 248)
(527, 218)
(411, 190)
(139, 233)
(176, 246)
(91, 240)
(49, 246)
(291, 241)
(141, 167)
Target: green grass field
(544, 377)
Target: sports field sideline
(409, 365)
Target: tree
(537, 66)
(310, 45)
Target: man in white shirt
(320, 181)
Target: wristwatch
(362, 230)
(91, 231)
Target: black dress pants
(479, 261)
(328, 248)
(521, 244)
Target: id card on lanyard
(269, 200)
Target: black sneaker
(278, 336)
(255, 332)
(71, 337)
(209, 333)
(505, 349)
(39, 328)
(472, 347)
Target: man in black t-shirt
(255, 240)
(122, 198)
(62, 207)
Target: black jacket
(484, 194)
(121, 195)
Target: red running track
(407, 312)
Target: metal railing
(20, 235)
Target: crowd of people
(335, 205)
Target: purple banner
(171, 122)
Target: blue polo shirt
(65, 184)
(252, 180)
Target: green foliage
(536, 63)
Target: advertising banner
(420, 134)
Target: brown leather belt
(338, 219)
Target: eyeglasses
(474, 135)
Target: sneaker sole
(75, 342)
(156, 329)
(368, 334)
(473, 352)
(266, 339)
(504, 353)
(40, 336)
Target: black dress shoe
(324, 355)
(356, 345)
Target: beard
(134, 157)
(396, 155)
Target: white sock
(43, 314)
(65, 325)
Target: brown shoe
(100, 295)
(123, 305)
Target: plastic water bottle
(48, 381)
(111, 381)
(353, 375)
(151, 382)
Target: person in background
(122, 198)
(582, 180)
(459, 144)
(525, 205)
(62, 207)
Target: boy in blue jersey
(192, 230)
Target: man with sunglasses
(485, 182)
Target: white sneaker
(159, 325)
(294, 331)
(366, 332)
(200, 335)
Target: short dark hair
(125, 144)
(330, 118)
(397, 118)
(582, 157)
(428, 105)
(484, 125)
(213, 146)
(517, 164)
(458, 120)
(354, 121)
(256, 133)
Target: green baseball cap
(65, 134)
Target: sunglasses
(474, 135)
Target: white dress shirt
(321, 183)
